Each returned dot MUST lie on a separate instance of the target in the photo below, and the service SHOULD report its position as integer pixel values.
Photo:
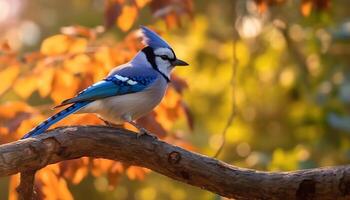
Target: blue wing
(124, 81)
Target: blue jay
(129, 91)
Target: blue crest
(152, 39)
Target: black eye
(164, 57)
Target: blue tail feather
(41, 128)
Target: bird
(128, 92)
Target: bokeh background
(269, 79)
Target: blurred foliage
(291, 91)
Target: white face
(163, 58)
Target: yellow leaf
(78, 45)
(127, 17)
(77, 64)
(45, 81)
(26, 85)
(7, 76)
(56, 44)
(142, 3)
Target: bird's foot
(143, 131)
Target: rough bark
(172, 161)
(26, 187)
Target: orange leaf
(51, 185)
(48, 185)
(136, 173)
(178, 141)
(9, 110)
(7, 77)
(127, 17)
(113, 174)
(14, 182)
(5, 46)
(172, 20)
(101, 166)
(80, 119)
(150, 123)
(33, 56)
(65, 86)
(306, 7)
(77, 64)
(262, 6)
(27, 124)
(74, 170)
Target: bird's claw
(143, 131)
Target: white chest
(134, 105)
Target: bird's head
(158, 53)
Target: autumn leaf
(57, 44)
(14, 182)
(5, 46)
(101, 166)
(45, 81)
(306, 7)
(77, 45)
(15, 120)
(262, 5)
(10, 109)
(178, 141)
(127, 17)
(172, 20)
(32, 57)
(77, 64)
(142, 3)
(65, 86)
(26, 85)
(74, 170)
(60, 44)
(51, 185)
(136, 173)
(150, 123)
(48, 185)
(8, 76)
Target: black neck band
(148, 51)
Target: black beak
(179, 62)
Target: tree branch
(26, 187)
(172, 161)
